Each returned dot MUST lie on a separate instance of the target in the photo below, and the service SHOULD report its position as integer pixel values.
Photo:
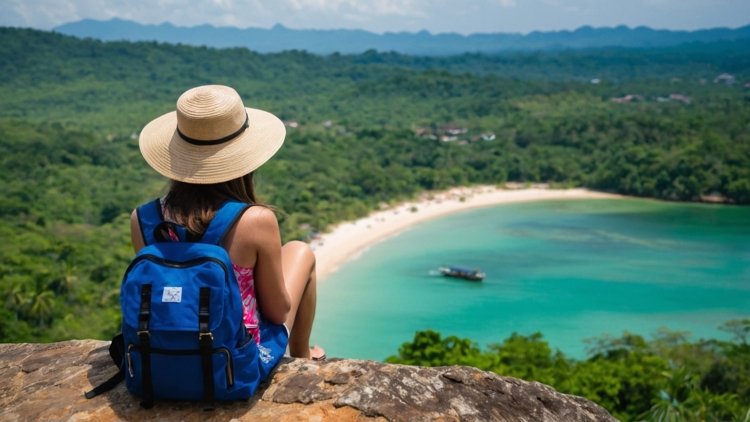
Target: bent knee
(299, 250)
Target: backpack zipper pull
(130, 362)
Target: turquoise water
(572, 270)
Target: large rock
(47, 381)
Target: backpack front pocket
(176, 374)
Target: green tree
(42, 306)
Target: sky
(436, 16)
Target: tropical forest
(364, 131)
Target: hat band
(201, 142)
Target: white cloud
(40, 14)
(223, 4)
(398, 8)
(362, 7)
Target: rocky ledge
(46, 382)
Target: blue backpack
(183, 336)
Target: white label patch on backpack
(172, 294)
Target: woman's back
(209, 148)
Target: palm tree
(17, 299)
(671, 406)
(684, 400)
(739, 328)
(42, 306)
(67, 279)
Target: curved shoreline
(348, 239)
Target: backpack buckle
(210, 336)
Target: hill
(280, 38)
(367, 129)
(362, 130)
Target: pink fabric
(249, 304)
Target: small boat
(462, 272)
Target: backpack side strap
(117, 353)
(149, 218)
(224, 219)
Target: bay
(572, 270)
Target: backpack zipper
(179, 264)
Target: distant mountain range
(280, 38)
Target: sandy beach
(347, 240)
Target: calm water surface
(572, 270)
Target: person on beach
(209, 148)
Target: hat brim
(170, 155)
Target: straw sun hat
(211, 137)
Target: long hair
(194, 205)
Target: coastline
(348, 239)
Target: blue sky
(462, 16)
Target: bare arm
(135, 232)
(256, 242)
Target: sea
(573, 270)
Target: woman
(209, 148)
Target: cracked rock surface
(46, 382)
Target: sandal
(320, 357)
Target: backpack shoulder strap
(149, 218)
(224, 219)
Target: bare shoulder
(259, 217)
(258, 224)
(256, 231)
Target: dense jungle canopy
(363, 130)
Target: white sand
(349, 239)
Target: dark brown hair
(193, 205)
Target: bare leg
(298, 265)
